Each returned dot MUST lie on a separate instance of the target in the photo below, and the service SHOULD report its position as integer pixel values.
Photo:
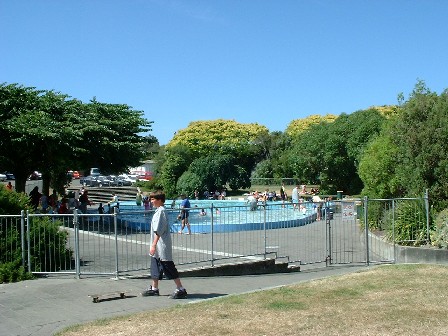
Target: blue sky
(261, 61)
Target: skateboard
(112, 295)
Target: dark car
(9, 176)
(89, 181)
(103, 181)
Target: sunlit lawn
(384, 300)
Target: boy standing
(161, 251)
(184, 213)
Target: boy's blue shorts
(159, 268)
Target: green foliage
(13, 272)
(212, 154)
(409, 223)
(188, 183)
(328, 153)
(420, 134)
(12, 202)
(298, 126)
(49, 132)
(218, 136)
(439, 235)
(176, 162)
(48, 245)
(377, 169)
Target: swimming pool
(221, 216)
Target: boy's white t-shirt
(159, 224)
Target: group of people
(53, 204)
(217, 195)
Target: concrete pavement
(45, 306)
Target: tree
(328, 153)
(420, 134)
(298, 126)
(377, 169)
(110, 137)
(241, 143)
(47, 131)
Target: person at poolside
(253, 202)
(161, 251)
(185, 213)
(35, 196)
(295, 197)
(147, 203)
(84, 201)
(139, 197)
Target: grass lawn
(384, 300)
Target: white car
(2, 177)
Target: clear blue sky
(265, 61)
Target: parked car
(114, 181)
(2, 177)
(95, 172)
(10, 176)
(35, 176)
(125, 180)
(89, 181)
(103, 181)
(71, 174)
(146, 176)
(132, 177)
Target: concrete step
(104, 194)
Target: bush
(43, 233)
(439, 235)
(12, 203)
(409, 223)
(13, 271)
(48, 245)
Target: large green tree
(421, 136)
(241, 143)
(328, 153)
(50, 132)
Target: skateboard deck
(111, 295)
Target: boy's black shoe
(179, 294)
(150, 292)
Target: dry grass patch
(385, 300)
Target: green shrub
(439, 235)
(48, 245)
(408, 223)
(13, 271)
(12, 203)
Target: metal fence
(348, 232)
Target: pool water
(220, 216)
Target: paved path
(44, 306)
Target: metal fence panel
(118, 243)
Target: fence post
(22, 236)
(264, 229)
(426, 197)
(393, 231)
(77, 254)
(211, 231)
(366, 228)
(116, 242)
(28, 238)
(328, 259)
